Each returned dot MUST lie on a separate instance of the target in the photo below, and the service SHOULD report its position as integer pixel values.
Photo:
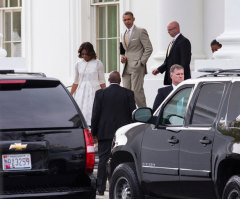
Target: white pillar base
(13, 63)
(230, 46)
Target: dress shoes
(99, 193)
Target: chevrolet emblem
(17, 146)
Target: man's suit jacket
(180, 54)
(138, 51)
(162, 94)
(112, 108)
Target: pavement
(106, 194)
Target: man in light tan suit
(138, 49)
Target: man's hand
(95, 140)
(123, 59)
(155, 72)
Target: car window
(207, 104)
(233, 112)
(174, 111)
(36, 104)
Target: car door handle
(205, 141)
(173, 140)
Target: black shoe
(100, 193)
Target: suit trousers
(104, 150)
(134, 81)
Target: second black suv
(189, 148)
(46, 147)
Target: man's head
(176, 74)
(215, 45)
(173, 28)
(128, 19)
(114, 77)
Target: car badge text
(17, 146)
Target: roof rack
(27, 73)
(216, 72)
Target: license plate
(16, 162)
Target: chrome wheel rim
(122, 189)
(234, 194)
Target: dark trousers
(104, 150)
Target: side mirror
(142, 115)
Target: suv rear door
(196, 141)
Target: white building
(44, 35)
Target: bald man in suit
(112, 108)
(178, 52)
(138, 49)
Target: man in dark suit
(178, 52)
(177, 76)
(112, 109)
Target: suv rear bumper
(53, 192)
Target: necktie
(169, 47)
(127, 38)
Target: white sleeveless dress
(88, 75)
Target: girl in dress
(89, 77)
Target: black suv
(46, 147)
(189, 148)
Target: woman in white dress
(89, 77)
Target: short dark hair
(89, 48)
(175, 66)
(128, 13)
(215, 42)
(114, 77)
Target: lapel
(124, 44)
(132, 35)
(169, 89)
(175, 42)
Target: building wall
(51, 38)
(56, 28)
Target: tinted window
(233, 113)
(174, 111)
(207, 104)
(36, 104)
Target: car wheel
(232, 188)
(124, 184)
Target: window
(207, 104)
(107, 33)
(174, 111)
(24, 106)
(233, 113)
(10, 26)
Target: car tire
(232, 188)
(124, 183)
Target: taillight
(90, 152)
(12, 81)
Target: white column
(230, 38)
(189, 14)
